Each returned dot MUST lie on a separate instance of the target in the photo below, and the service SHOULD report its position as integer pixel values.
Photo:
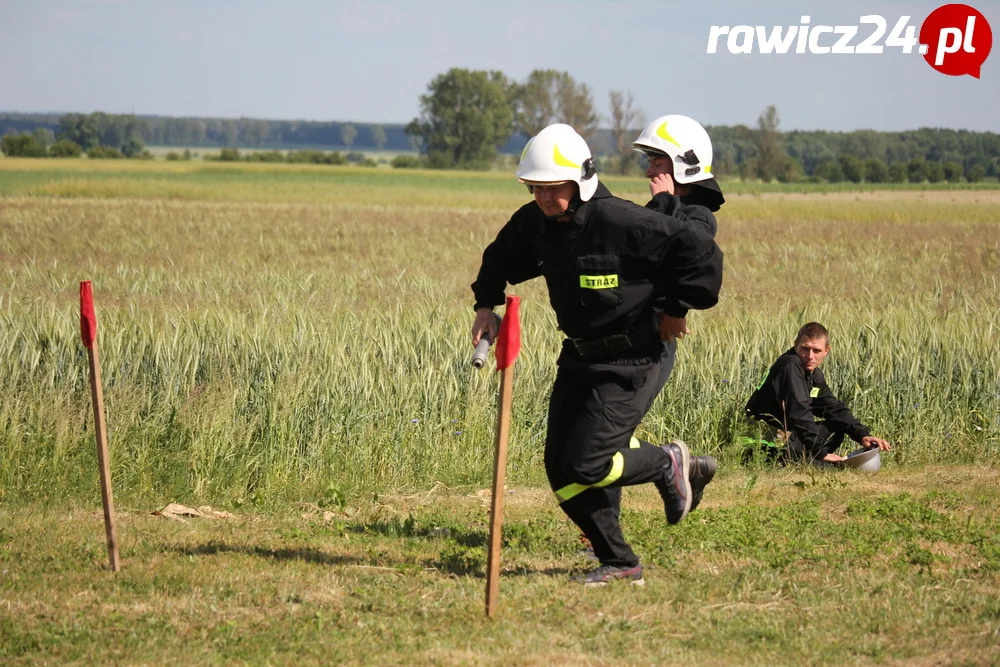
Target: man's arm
(508, 259)
(837, 415)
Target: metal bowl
(867, 460)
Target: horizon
(303, 60)
(515, 133)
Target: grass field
(290, 344)
(199, 152)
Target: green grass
(272, 336)
(197, 180)
(270, 349)
(773, 569)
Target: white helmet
(558, 154)
(684, 141)
(868, 460)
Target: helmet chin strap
(574, 204)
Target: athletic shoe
(702, 471)
(675, 485)
(608, 573)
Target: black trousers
(590, 451)
(827, 442)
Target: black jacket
(806, 396)
(609, 267)
(664, 203)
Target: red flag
(88, 320)
(509, 338)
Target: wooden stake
(496, 498)
(97, 393)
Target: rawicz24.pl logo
(954, 39)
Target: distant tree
(65, 148)
(315, 157)
(536, 102)
(173, 156)
(378, 137)
(975, 173)
(229, 131)
(254, 131)
(830, 171)
(770, 155)
(898, 172)
(347, 134)
(791, 172)
(876, 171)
(953, 171)
(103, 153)
(406, 162)
(44, 136)
(625, 119)
(133, 147)
(853, 168)
(935, 172)
(79, 129)
(466, 117)
(114, 129)
(748, 169)
(21, 145)
(916, 170)
(360, 159)
(265, 156)
(549, 96)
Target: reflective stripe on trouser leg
(573, 490)
(615, 492)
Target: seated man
(795, 393)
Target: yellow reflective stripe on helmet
(573, 490)
(561, 159)
(633, 443)
(708, 169)
(661, 132)
(525, 151)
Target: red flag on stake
(88, 332)
(508, 346)
(509, 337)
(88, 320)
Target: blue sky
(370, 60)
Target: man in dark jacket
(795, 394)
(611, 268)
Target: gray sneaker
(702, 471)
(675, 485)
(605, 574)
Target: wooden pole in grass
(88, 331)
(508, 346)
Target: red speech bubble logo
(956, 40)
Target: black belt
(610, 347)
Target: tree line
(99, 128)
(470, 118)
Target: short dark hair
(812, 331)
